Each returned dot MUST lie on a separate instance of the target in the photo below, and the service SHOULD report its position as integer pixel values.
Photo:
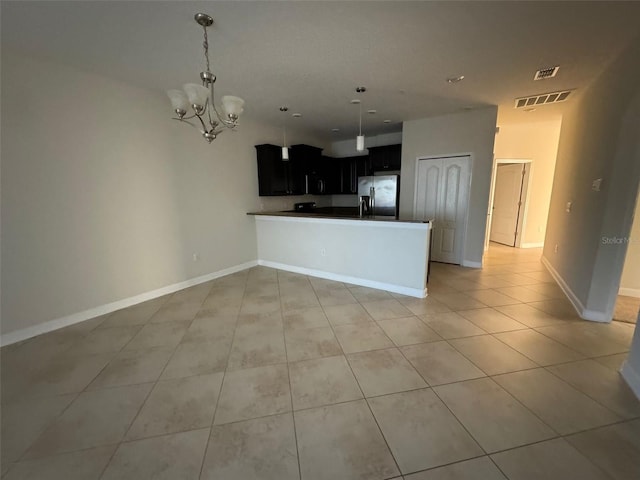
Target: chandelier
(197, 101)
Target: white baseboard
(631, 377)
(411, 292)
(48, 326)
(593, 315)
(532, 245)
(470, 264)
(629, 292)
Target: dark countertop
(341, 213)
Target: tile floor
(271, 375)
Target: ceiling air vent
(543, 99)
(546, 73)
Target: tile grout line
(293, 415)
(344, 354)
(224, 374)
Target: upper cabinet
(309, 172)
(276, 176)
(350, 169)
(385, 158)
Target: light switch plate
(595, 186)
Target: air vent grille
(546, 73)
(542, 99)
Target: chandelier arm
(185, 121)
(208, 110)
(204, 127)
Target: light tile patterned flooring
(270, 375)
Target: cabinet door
(308, 160)
(362, 168)
(394, 157)
(385, 158)
(330, 175)
(378, 159)
(347, 167)
(273, 174)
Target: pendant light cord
(360, 108)
(284, 130)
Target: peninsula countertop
(337, 213)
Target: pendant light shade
(360, 143)
(285, 153)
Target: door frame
(463, 259)
(522, 217)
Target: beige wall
(104, 197)
(469, 132)
(537, 141)
(599, 139)
(630, 282)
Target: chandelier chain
(205, 45)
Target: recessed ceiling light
(355, 101)
(372, 112)
(455, 79)
(386, 121)
(529, 110)
(335, 129)
(296, 115)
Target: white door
(506, 203)
(442, 195)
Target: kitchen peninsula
(377, 252)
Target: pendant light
(285, 149)
(360, 137)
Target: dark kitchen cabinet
(275, 176)
(350, 169)
(331, 175)
(313, 168)
(385, 158)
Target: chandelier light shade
(179, 100)
(197, 101)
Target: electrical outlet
(196, 257)
(555, 249)
(568, 207)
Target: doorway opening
(628, 300)
(510, 195)
(442, 195)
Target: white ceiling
(311, 55)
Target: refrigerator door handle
(306, 184)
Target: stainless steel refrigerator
(382, 193)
